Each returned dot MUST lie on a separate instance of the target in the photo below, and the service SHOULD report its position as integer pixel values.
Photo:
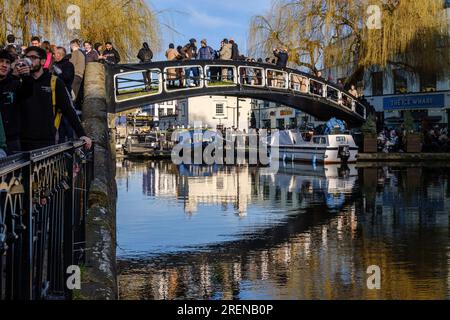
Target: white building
(211, 111)
(215, 112)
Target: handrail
(43, 196)
(285, 83)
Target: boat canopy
(334, 126)
(287, 138)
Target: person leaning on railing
(41, 112)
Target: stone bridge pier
(99, 275)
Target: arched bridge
(135, 85)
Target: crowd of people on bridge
(42, 83)
(41, 90)
(228, 51)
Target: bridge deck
(135, 85)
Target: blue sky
(210, 19)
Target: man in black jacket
(37, 111)
(12, 90)
(282, 57)
(63, 68)
(111, 55)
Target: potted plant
(369, 130)
(413, 141)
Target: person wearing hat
(15, 84)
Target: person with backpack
(145, 55)
(41, 112)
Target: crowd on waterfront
(40, 91)
(395, 139)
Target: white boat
(327, 149)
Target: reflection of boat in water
(326, 182)
(334, 146)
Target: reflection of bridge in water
(134, 85)
(315, 253)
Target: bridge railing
(43, 206)
(169, 77)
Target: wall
(203, 109)
(99, 276)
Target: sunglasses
(33, 57)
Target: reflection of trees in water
(317, 254)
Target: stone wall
(99, 275)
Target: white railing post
(340, 101)
(325, 89)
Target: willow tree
(126, 23)
(412, 34)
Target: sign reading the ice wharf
(414, 102)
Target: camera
(25, 62)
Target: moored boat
(335, 147)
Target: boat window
(341, 139)
(320, 140)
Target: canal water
(212, 232)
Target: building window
(169, 112)
(170, 103)
(427, 82)
(377, 83)
(220, 109)
(400, 82)
(161, 112)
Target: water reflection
(304, 233)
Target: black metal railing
(43, 206)
(172, 80)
